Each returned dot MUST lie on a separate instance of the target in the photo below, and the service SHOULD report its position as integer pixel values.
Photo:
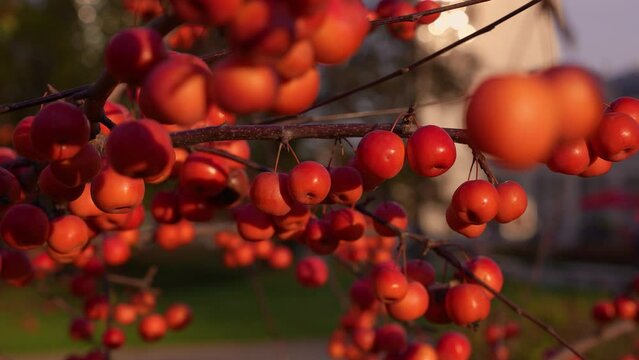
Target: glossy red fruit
(513, 201)
(22, 142)
(78, 170)
(178, 316)
(385, 8)
(381, 153)
(10, 189)
(421, 271)
(16, 269)
(453, 345)
(165, 207)
(96, 308)
(50, 186)
(139, 149)
(264, 28)
(269, 193)
(117, 113)
(389, 283)
(281, 258)
(177, 91)
(152, 327)
(342, 31)
(515, 118)
(616, 138)
(403, 30)
(59, 131)
(24, 227)
(297, 61)
(627, 105)
(597, 168)
(475, 202)
(347, 224)
(390, 338)
(84, 206)
(626, 308)
(114, 193)
(68, 234)
(467, 304)
(604, 311)
(456, 224)
(430, 151)
(132, 53)
(124, 314)
(425, 5)
(115, 251)
(311, 271)
(309, 183)
(144, 301)
(486, 270)
(81, 329)
(195, 208)
(346, 185)
(297, 94)
(252, 224)
(570, 157)
(579, 96)
(113, 338)
(202, 175)
(243, 87)
(362, 294)
(296, 219)
(206, 12)
(393, 214)
(412, 306)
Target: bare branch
(608, 333)
(418, 15)
(286, 133)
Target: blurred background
(577, 243)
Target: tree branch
(286, 133)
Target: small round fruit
(311, 272)
(412, 306)
(152, 327)
(178, 316)
(381, 153)
(309, 183)
(59, 131)
(393, 214)
(514, 117)
(467, 304)
(475, 202)
(430, 151)
(453, 345)
(513, 201)
(132, 53)
(24, 227)
(616, 138)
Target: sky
(607, 34)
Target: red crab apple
(309, 183)
(616, 138)
(381, 153)
(114, 193)
(430, 151)
(132, 53)
(513, 201)
(311, 271)
(178, 316)
(152, 327)
(113, 338)
(24, 227)
(475, 202)
(453, 345)
(467, 303)
(206, 12)
(59, 131)
(412, 306)
(392, 213)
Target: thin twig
(418, 15)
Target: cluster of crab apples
(407, 295)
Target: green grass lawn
(226, 309)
